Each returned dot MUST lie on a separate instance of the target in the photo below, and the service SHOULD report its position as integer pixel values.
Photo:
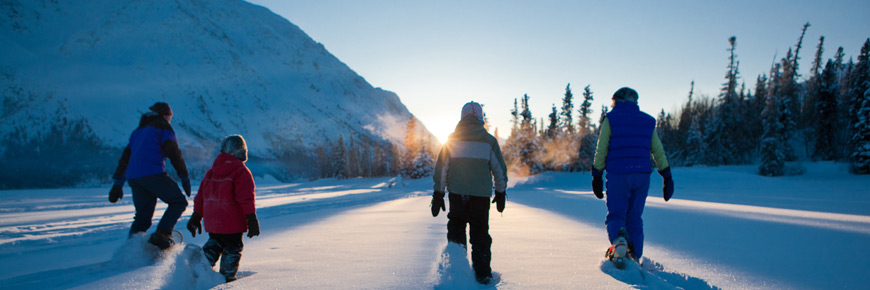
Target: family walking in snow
(225, 199)
(469, 168)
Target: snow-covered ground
(725, 228)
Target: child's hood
(225, 164)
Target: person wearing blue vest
(627, 139)
(143, 164)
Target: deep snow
(725, 228)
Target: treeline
(558, 144)
(355, 157)
(782, 119)
(785, 117)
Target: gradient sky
(438, 55)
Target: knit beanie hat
(472, 108)
(235, 145)
(625, 94)
(161, 108)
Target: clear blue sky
(438, 55)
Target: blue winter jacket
(627, 138)
(149, 146)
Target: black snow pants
(472, 210)
(146, 191)
(227, 247)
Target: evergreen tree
(422, 163)
(412, 145)
(585, 109)
(859, 87)
(567, 111)
(694, 145)
(826, 103)
(553, 126)
(772, 158)
(809, 114)
(339, 158)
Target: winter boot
(483, 278)
(618, 252)
(161, 239)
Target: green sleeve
(603, 144)
(658, 152)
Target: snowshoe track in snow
(652, 275)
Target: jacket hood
(468, 128)
(224, 165)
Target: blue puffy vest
(631, 134)
(147, 156)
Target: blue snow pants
(146, 191)
(626, 196)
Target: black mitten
(437, 204)
(597, 183)
(117, 191)
(253, 225)
(194, 225)
(499, 200)
(667, 184)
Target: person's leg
(144, 202)
(213, 248)
(456, 219)
(617, 204)
(232, 256)
(167, 190)
(636, 203)
(481, 241)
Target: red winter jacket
(226, 196)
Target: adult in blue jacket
(143, 165)
(627, 139)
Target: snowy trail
(728, 245)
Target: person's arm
(244, 187)
(439, 177)
(498, 168)
(121, 172)
(600, 160)
(169, 145)
(658, 152)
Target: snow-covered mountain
(76, 75)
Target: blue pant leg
(167, 190)
(144, 202)
(617, 204)
(636, 203)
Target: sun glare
(441, 126)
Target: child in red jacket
(226, 201)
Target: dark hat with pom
(161, 108)
(625, 94)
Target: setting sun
(441, 126)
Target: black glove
(667, 184)
(437, 203)
(253, 225)
(194, 225)
(499, 200)
(185, 183)
(117, 191)
(597, 183)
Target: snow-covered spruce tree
(772, 158)
(860, 159)
(423, 164)
(825, 110)
(587, 138)
(809, 101)
(724, 131)
(553, 125)
(788, 97)
(859, 83)
(694, 150)
(339, 158)
(567, 120)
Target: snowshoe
(165, 241)
(618, 252)
(483, 279)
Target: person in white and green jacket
(469, 165)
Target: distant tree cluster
(562, 146)
(370, 158)
(824, 117)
